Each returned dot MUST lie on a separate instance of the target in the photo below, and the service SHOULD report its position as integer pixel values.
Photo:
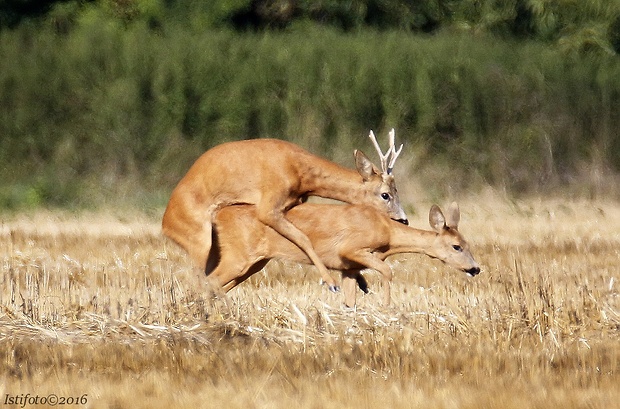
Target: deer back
(334, 230)
(279, 172)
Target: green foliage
(112, 93)
(572, 20)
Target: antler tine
(391, 137)
(393, 151)
(384, 158)
(395, 154)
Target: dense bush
(540, 19)
(91, 104)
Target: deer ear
(364, 166)
(436, 219)
(453, 215)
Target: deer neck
(330, 180)
(405, 239)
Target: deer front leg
(369, 260)
(276, 220)
(351, 279)
(348, 287)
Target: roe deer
(274, 176)
(345, 237)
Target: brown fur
(346, 237)
(274, 176)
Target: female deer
(345, 237)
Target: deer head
(452, 247)
(386, 193)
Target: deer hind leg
(191, 230)
(275, 219)
(239, 276)
(198, 244)
(367, 259)
(197, 247)
(227, 271)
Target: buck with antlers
(345, 237)
(274, 176)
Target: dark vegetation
(110, 101)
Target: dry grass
(91, 304)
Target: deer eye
(456, 247)
(385, 196)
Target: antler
(391, 153)
(383, 157)
(395, 152)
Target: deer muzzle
(474, 271)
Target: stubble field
(100, 310)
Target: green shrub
(110, 102)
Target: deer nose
(473, 271)
(403, 221)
